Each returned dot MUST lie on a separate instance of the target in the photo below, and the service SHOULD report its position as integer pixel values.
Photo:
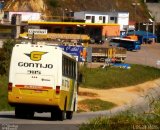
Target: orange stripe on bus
(33, 87)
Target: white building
(121, 18)
(25, 16)
(91, 16)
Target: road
(43, 122)
(149, 54)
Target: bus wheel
(61, 115)
(54, 115)
(69, 114)
(30, 114)
(18, 112)
(21, 113)
(58, 114)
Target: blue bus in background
(129, 44)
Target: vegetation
(95, 105)
(115, 77)
(3, 94)
(5, 54)
(126, 121)
(53, 3)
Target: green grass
(117, 77)
(3, 94)
(126, 121)
(95, 105)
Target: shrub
(5, 54)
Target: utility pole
(135, 4)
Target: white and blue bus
(129, 44)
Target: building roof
(69, 23)
(99, 12)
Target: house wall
(97, 17)
(79, 15)
(26, 16)
(123, 20)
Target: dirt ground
(118, 96)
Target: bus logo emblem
(36, 55)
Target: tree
(5, 55)
(53, 3)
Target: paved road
(148, 55)
(43, 122)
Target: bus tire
(18, 112)
(30, 114)
(58, 114)
(54, 115)
(21, 113)
(69, 115)
(62, 113)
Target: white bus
(42, 79)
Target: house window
(88, 17)
(5, 16)
(100, 17)
(116, 20)
(112, 18)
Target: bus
(129, 44)
(42, 78)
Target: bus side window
(73, 73)
(71, 66)
(63, 66)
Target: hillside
(28, 5)
(56, 7)
(155, 10)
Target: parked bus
(42, 78)
(129, 44)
